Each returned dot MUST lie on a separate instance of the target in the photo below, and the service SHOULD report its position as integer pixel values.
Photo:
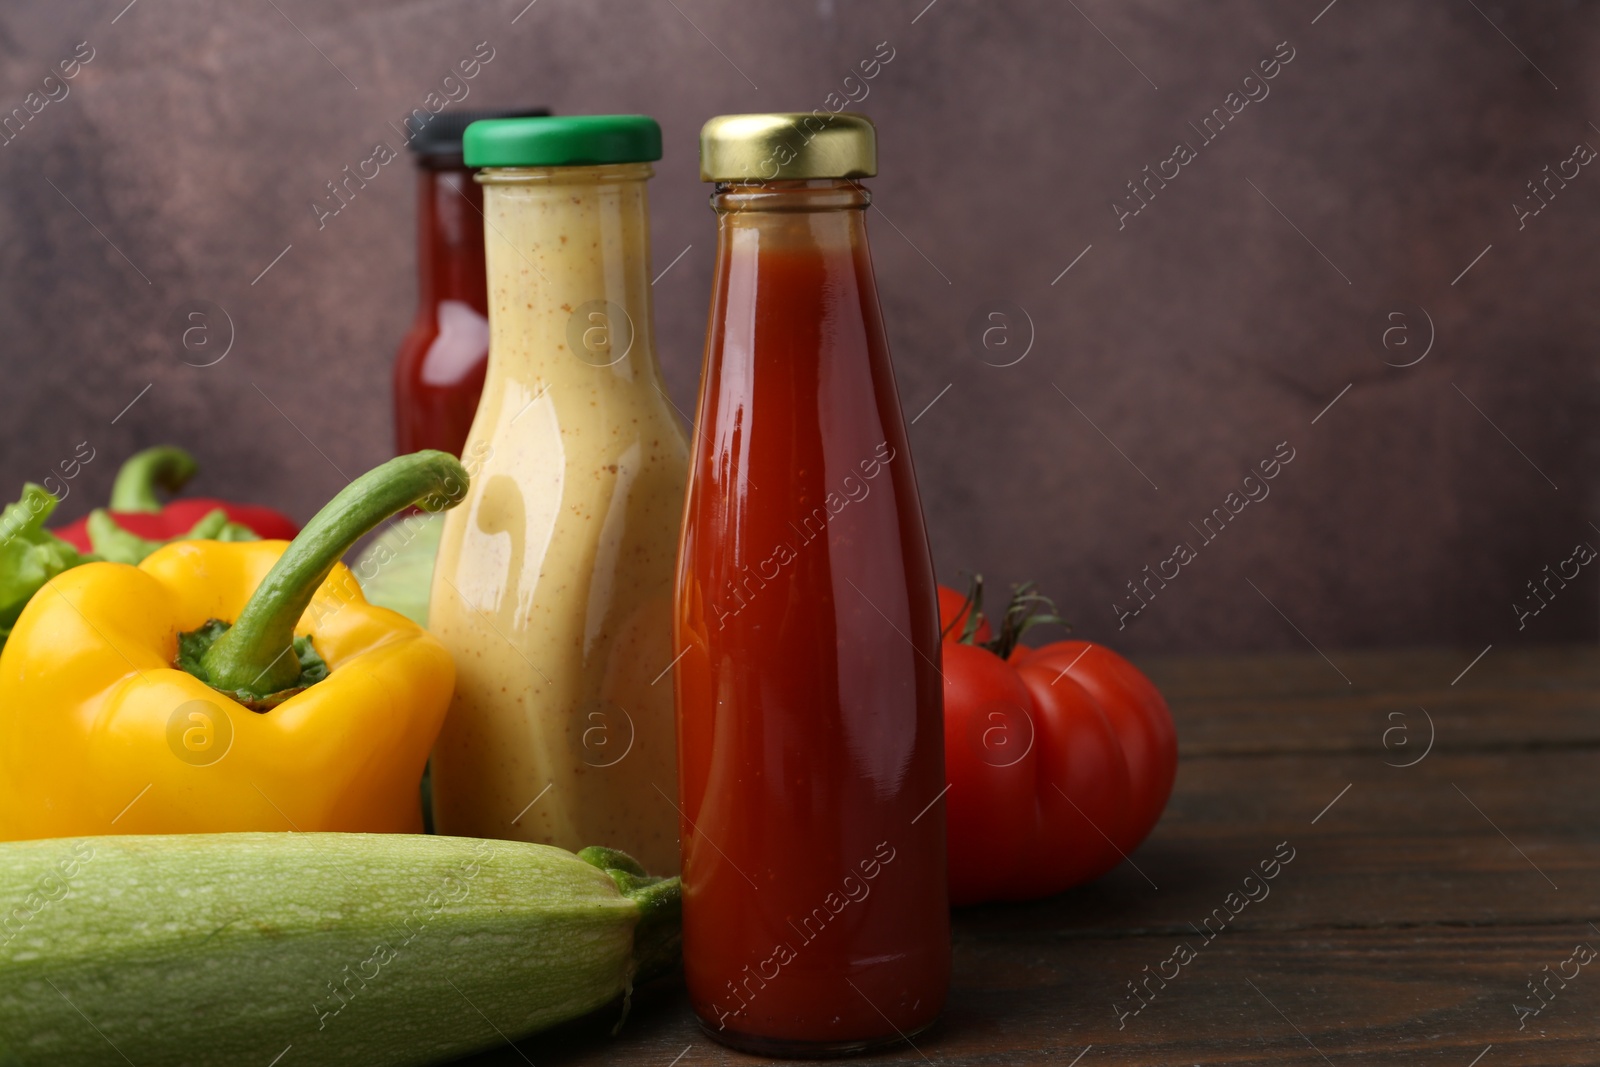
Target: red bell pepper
(136, 508)
(1060, 759)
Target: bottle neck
(802, 195)
(568, 252)
(820, 213)
(795, 251)
(820, 223)
(450, 252)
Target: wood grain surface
(1420, 900)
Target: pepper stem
(165, 466)
(256, 655)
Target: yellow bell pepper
(314, 711)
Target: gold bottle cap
(788, 145)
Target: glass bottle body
(810, 700)
(439, 370)
(554, 577)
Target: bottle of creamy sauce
(553, 587)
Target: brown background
(1196, 339)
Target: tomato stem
(1026, 609)
(971, 614)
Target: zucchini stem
(658, 939)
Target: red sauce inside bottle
(810, 700)
(438, 374)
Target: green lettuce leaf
(30, 555)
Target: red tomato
(1138, 715)
(992, 767)
(1060, 762)
(1083, 787)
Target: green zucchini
(374, 949)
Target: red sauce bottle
(438, 373)
(809, 694)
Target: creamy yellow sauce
(553, 586)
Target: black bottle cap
(438, 140)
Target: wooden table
(1419, 902)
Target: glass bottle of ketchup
(809, 693)
(438, 372)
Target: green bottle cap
(562, 141)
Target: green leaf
(30, 555)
